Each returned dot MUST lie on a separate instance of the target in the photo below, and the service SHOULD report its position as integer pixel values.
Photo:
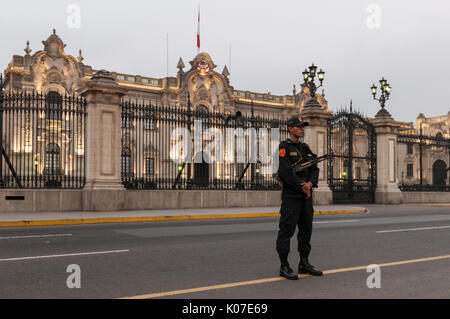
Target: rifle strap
(300, 157)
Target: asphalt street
(232, 259)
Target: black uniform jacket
(290, 153)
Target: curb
(428, 205)
(110, 220)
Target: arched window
(52, 159)
(53, 106)
(201, 113)
(126, 162)
(439, 135)
(201, 109)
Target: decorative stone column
(386, 128)
(103, 190)
(316, 138)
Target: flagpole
(198, 31)
(229, 62)
(167, 57)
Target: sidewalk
(21, 219)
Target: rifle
(300, 167)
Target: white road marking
(36, 236)
(411, 229)
(66, 255)
(336, 221)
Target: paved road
(140, 259)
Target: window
(439, 135)
(53, 106)
(52, 159)
(358, 172)
(345, 170)
(409, 170)
(126, 120)
(150, 121)
(150, 124)
(201, 113)
(201, 109)
(150, 166)
(126, 162)
(258, 167)
(410, 149)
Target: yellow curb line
(338, 212)
(265, 280)
(84, 221)
(429, 205)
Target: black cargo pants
(295, 212)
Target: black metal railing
(42, 140)
(423, 162)
(154, 156)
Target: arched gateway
(439, 173)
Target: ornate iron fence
(423, 162)
(42, 139)
(155, 156)
(352, 163)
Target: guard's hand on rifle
(306, 188)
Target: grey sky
(272, 42)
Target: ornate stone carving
(202, 57)
(53, 46)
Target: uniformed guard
(297, 205)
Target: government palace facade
(52, 72)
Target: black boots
(305, 268)
(287, 272)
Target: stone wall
(396, 198)
(114, 200)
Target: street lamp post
(385, 93)
(309, 76)
(36, 163)
(1, 132)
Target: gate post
(103, 189)
(386, 128)
(316, 138)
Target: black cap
(295, 121)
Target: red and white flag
(198, 30)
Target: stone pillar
(386, 128)
(316, 138)
(103, 190)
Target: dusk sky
(356, 42)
